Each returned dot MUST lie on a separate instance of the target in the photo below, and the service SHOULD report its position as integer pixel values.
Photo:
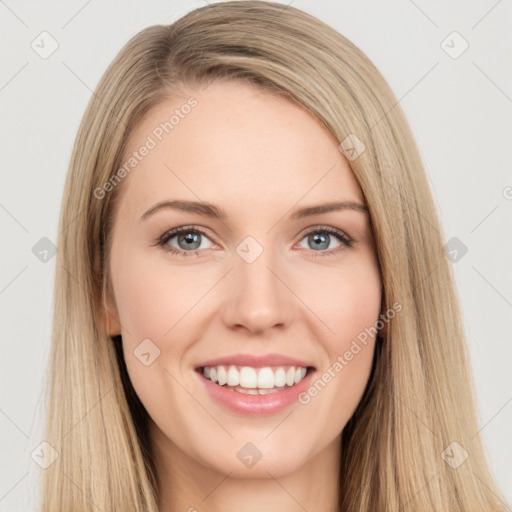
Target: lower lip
(256, 405)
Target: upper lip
(256, 361)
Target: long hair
(417, 414)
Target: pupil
(320, 239)
(191, 238)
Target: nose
(258, 300)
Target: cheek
(153, 301)
(345, 300)
(347, 303)
(152, 298)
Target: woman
(254, 370)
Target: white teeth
(265, 378)
(233, 376)
(256, 391)
(280, 378)
(221, 375)
(255, 381)
(290, 376)
(248, 377)
(299, 374)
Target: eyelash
(162, 241)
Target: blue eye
(320, 239)
(187, 236)
(189, 241)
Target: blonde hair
(419, 398)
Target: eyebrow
(215, 212)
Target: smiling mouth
(255, 381)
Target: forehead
(236, 143)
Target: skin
(258, 157)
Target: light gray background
(459, 110)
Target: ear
(110, 315)
(107, 313)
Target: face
(261, 280)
